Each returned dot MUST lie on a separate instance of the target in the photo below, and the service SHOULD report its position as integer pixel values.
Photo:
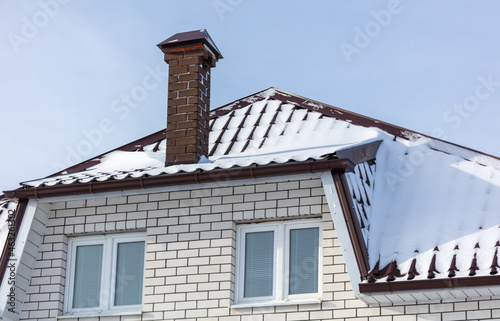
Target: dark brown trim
(361, 153)
(433, 284)
(18, 219)
(353, 228)
(338, 113)
(220, 175)
(313, 105)
(239, 103)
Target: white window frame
(281, 263)
(108, 274)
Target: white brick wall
(189, 270)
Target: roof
(427, 209)
(263, 131)
(435, 212)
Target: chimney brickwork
(190, 57)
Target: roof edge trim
(184, 178)
(432, 284)
(352, 224)
(242, 102)
(313, 105)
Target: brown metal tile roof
(361, 185)
(404, 207)
(442, 222)
(262, 130)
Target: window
(278, 262)
(105, 273)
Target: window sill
(97, 314)
(273, 303)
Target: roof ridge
(341, 114)
(313, 105)
(242, 102)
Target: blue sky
(67, 65)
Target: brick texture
(188, 105)
(190, 257)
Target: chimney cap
(190, 38)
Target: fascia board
(176, 188)
(342, 231)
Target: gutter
(432, 284)
(199, 177)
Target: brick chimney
(190, 56)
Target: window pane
(88, 267)
(129, 273)
(304, 244)
(259, 257)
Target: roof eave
(431, 284)
(344, 165)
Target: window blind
(259, 263)
(88, 268)
(303, 265)
(129, 273)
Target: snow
(265, 94)
(427, 198)
(120, 161)
(361, 183)
(316, 106)
(296, 140)
(422, 193)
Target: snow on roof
(435, 211)
(427, 208)
(263, 132)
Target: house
(272, 207)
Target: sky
(68, 67)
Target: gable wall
(189, 269)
